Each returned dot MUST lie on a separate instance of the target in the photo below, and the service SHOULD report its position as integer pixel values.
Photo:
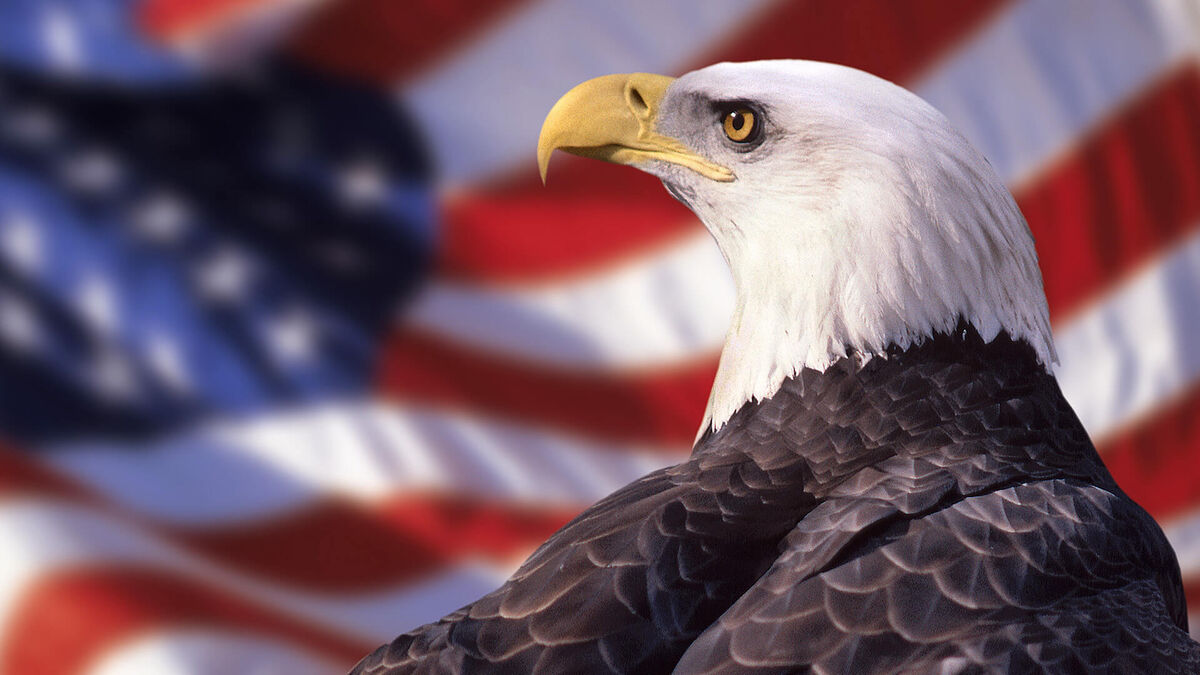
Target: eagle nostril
(637, 103)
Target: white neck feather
(886, 254)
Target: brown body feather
(942, 505)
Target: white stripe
(1043, 73)
(1128, 354)
(209, 652)
(482, 110)
(1184, 535)
(622, 319)
(664, 308)
(1022, 89)
(1012, 88)
(1121, 357)
(265, 467)
(40, 537)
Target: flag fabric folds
(297, 353)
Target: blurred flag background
(296, 353)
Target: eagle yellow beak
(613, 118)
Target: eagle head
(855, 219)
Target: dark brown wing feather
(939, 508)
(1053, 576)
(625, 587)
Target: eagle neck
(954, 399)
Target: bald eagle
(887, 478)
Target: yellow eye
(739, 125)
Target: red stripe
(591, 214)
(1153, 461)
(169, 18)
(1129, 191)
(20, 475)
(384, 40)
(337, 547)
(893, 40)
(66, 620)
(1191, 591)
(656, 406)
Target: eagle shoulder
(1054, 575)
(625, 586)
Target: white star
(92, 170)
(18, 326)
(60, 35)
(161, 217)
(21, 242)
(113, 377)
(292, 337)
(225, 276)
(163, 357)
(362, 183)
(97, 304)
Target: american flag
(296, 353)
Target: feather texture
(938, 509)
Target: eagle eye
(741, 125)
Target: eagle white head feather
(853, 216)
